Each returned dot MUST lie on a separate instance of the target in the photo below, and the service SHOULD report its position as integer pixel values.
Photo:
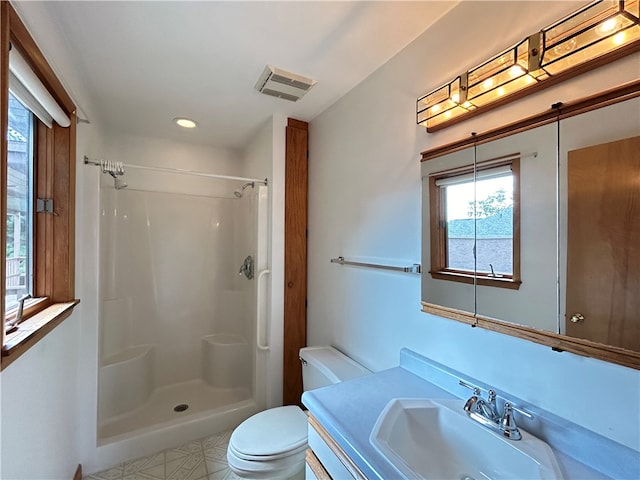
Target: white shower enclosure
(178, 320)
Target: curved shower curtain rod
(182, 171)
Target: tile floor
(204, 459)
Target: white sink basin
(435, 439)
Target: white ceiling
(144, 63)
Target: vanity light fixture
(185, 122)
(592, 36)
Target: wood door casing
(603, 243)
(295, 258)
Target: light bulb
(185, 122)
(516, 71)
(488, 83)
(607, 26)
(619, 38)
(455, 98)
(501, 91)
(447, 114)
(466, 104)
(435, 108)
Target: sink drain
(180, 408)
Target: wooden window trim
(54, 234)
(34, 329)
(439, 269)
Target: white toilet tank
(322, 366)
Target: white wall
(39, 428)
(364, 201)
(49, 394)
(264, 157)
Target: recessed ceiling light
(185, 122)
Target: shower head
(239, 193)
(118, 182)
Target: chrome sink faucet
(486, 413)
(486, 408)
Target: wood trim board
(316, 467)
(295, 258)
(556, 341)
(4, 123)
(22, 40)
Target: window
(19, 233)
(474, 222)
(38, 163)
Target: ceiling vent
(282, 84)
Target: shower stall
(183, 290)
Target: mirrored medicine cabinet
(533, 229)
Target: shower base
(166, 405)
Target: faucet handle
(493, 408)
(508, 423)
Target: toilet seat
(273, 434)
(266, 458)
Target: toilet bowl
(272, 444)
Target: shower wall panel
(170, 275)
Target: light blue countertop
(349, 410)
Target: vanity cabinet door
(333, 460)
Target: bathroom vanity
(342, 418)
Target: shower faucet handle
(246, 268)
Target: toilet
(272, 444)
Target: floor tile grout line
(121, 466)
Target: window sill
(34, 329)
(506, 282)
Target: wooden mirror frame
(556, 341)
